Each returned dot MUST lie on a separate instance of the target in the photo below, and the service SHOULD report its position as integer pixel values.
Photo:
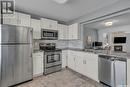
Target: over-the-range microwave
(49, 34)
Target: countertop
(98, 52)
(103, 52)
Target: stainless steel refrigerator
(15, 55)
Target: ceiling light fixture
(60, 1)
(108, 23)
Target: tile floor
(64, 78)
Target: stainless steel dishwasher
(112, 71)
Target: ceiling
(62, 12)
(119, 20)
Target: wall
(118, 6)
(93, 33)
(125, 28)
(75, 44)
(122, 6)
(59, 44)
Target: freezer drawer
(15, 34)
(16, 64)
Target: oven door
(49, 34)
(52, 59)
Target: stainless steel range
(52, 58)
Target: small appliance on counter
(97, 45)
(52, 58)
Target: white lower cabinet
(84, 63)
(64, 58)
(71, 60)
(79, 63)
(91, 66)
(38, 64)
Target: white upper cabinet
(24, 19)
(70, 32)
(10, 19)
(35, 24)
(18, 19)
(73, 31)
(63, 32)
(49, 24)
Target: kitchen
(90, 51)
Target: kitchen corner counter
(102, 52)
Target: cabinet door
(71, 60)
(63, 32)
(44, 23)
(24, 19)
(48, 24)
(73, 31)
(53, 25)
(60, 29)
(10, 19)
(38, 64)
(79, 63)
(64, 58)
(91, 66)
(70, 32)
(35, 24)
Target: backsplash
(59, 43)
(75, 44)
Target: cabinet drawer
(39, 54)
